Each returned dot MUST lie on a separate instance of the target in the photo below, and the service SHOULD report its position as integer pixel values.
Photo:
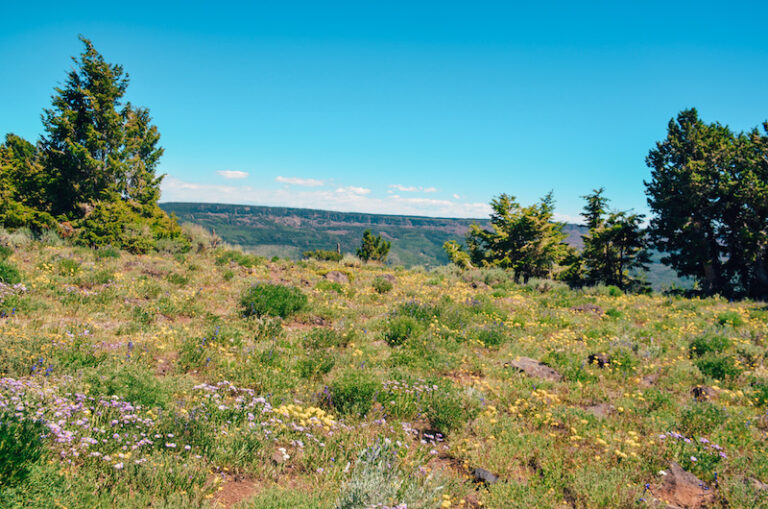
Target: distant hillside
(287, 232)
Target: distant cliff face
(288, 231)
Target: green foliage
(315, 365)
(268, 299)
(707, 190)
(524, 239)
(400, 328)
(449, 410)
(240, 258)
(614, 248)
(457, 255)
(106, 252)
(732, 318)
(9, 274)
(325, 338)
(382, 285)
(21, 446)
(330, 286)
(130, 382)
(704, 345)
(353, 392)
(373, 248)
(5, 252)
(323, 255)
(718, 367)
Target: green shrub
(760, 393)
(422, 312)
(708, 344)
(268, 299)
(400, 329)
(5, 252)
(316, 364)
(323, 255)
(68, 267)
(130, 382)
(177, 279)
(106, 252)
(382, 285)
(21, 446)
(701, 418)
(354, 392)
(492, 336)
(730, 318)
(614, 313)
(238, 257)
(718, 367)
(228, 275)
(324, 338)
(330, 286)
(9, 274)
(448, 410)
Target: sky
(422, 108)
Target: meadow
(215, 378)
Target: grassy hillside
(139, 381)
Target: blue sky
(427, 108)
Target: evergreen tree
(524, 239)
(94, 147)
(373, 248)
(709, 193)
(614, 247)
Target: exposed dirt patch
(165, 363)
(234, 491)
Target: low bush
(354, 392)
(9, 274)
(330, 286)
(268, 299)
(323, 255)
(449, 410)
(21, 446)
(239, 258)
(325, 338)
(315, 365)
(718, 367)
(731, 318)
(400, 328)
(382, 285)
(708, 344)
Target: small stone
(683, 489)
(599, 359)
(601, 410)
(337, 276)
(703, 393)
(534, 368)
(481, 475)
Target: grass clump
(239, 258)
(21, 446)
(704, 345)
(268, 299)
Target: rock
(588, 308)
(534, 368)
(703, 393)
(683, 489)
(479, 285)
(601, 410)
(756, 484)
(599, 359)
(649, 380)
(337, 276)
(481, 475)
(389, 277)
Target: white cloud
(456, 196)
(295, 181)
(233, 174)
(344, 199)
(413, 189)
(354, 190)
